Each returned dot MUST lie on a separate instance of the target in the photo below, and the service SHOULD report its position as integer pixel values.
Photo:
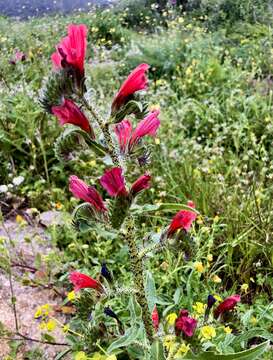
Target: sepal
(140, 110)
(85, 216)
(73, 139)
(58, 85)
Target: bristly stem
(105, 130)
(137, 270)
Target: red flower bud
(69, 113)
(155, 318)
(142, 183)
(227, 305)
(82, 281)
(136, 81)
(182, 220)
(87, 193)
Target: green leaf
(250, 354)
(47, 337)
(253, 333)
(62, 354)
(140, 209)
(157, 351)
(177, 296)
(73, 139)
(128, 338)
(135, 310)
(150, 290)
(131, 107)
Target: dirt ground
(28, 241)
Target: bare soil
(27, 242)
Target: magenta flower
(18, 57)
(69, 113)
(87, 193)
(123, 131)
(142, 183)
(128, 139)
(136, 81)
(227, 305)
(182, 220)
(82, 281)
(185, 324)
(71, 50)
(113, 182)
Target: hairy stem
(137, 270)
(105, 130)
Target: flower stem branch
(154, 247)
(105, 130)
(137, 270)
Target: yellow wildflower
(216, 279)
(199, 266)
(157, 141)
(207, 332)
(20, 219)
(92, 163)
(183, 349)
(66, 328)
(51, 325)
(227, 330)
(97, 356)
(81, 355)
(218, 298)
(199, 308)
(169, 342)
(42, 311)
(244, 287)
(253, 320)
(171, 319)
(71, 295)
(209, 257)
(42, 325)
(58, 205)
(216, 219)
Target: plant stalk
(137, 270)
(105, 130)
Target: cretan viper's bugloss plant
(122, 146)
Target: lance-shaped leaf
(140, 110)
(250, 354)
(157, 351)
(73, 139)
(85, 217)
